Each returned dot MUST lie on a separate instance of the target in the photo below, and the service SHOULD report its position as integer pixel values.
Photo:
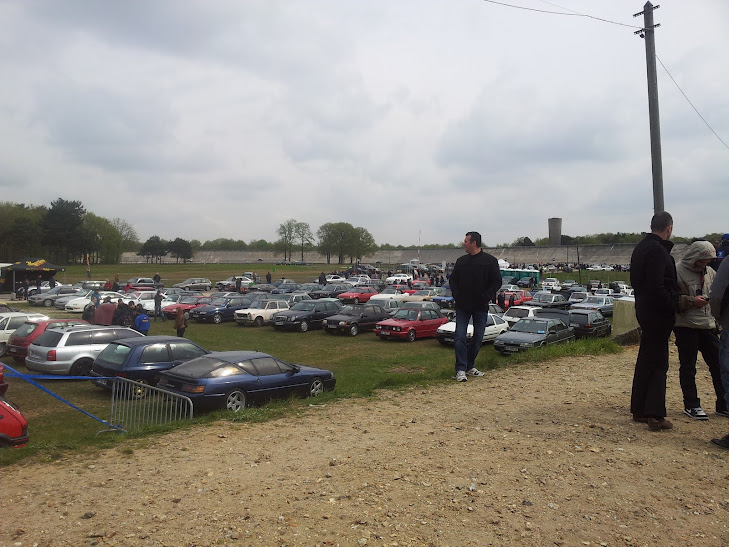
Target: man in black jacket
(474, 282)
(653, 277)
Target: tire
(140, 392)
(82, 367)
(258, 321)
(316, 387)
(354, 329)
(304, 326)
(411, 335)
(186, 315)
(235, 400)
(3, 346)
(217, 318)
(208, 288)
(356, 300)
(48, 302)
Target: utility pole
(648, 33)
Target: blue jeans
(724, 362)
(466, 352)
(158, 311)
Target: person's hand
(700, 301)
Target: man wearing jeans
(474, 282)
(719, 300)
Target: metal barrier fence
(135, 405)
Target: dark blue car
(143, 359)
(234, 379)
(220, 309)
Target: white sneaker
(696, 413)
(461, 376)
(474, 372)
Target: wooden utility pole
(648, 33)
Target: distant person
(719, 300)
(653, 277)
(104, 314)
(268, 278)
(695, 328)
(158, 298)
(120, 313)
(501, 300)
(180, 322)
(322, 279)
(474, 282)
(95, 298)
(237, 284)
(52, 282)
(512, 300)
(721, 253)
(141, 322)
(156, 278)
(38, 283)
(88, 314)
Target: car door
(154, 359)
(274, 381)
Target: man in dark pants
(653, 276)
(474, 282)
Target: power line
(571, 14)
(692, 104)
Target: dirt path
(538, 455)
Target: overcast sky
(224, 118)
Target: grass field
(362, 365)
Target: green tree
(523, 242)
(62, 230)
(154, 248)
(336, 238)
(287, 237)
(180, 249)
(362, 244)
(303, 235)
(103, 239)
(130, 239)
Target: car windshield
(188, 300)
(304, 306)
(534, 326)
(542, 298)
(406, 315)
(219, 301)
(421, 293)
(446, 292)
(517, 312)
(593, 300)
(390, 290)
(351, 310)
(114, 353)
(48, 339)
(25, 330)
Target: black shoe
(658, 424)
(723, 442)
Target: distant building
(555, 232)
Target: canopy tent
(30, 267)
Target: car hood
(297, 313)
(511, 337)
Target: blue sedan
(220, 309)
(235, 379)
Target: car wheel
(304, 326)
(48, 302)
(354, 329)
(82, 367)
(316, 387)
(217, 318)
(258, 321)
(2, 349)
(186, 315)
(356, 300)
(235, 401)
(140, 392)
(411, 335)
(4, 443)
(208, 288)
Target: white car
(399, 279)
(168, 300)
(260, 312)
(551, 284)
(420, 295)
(12, 320)
(78, 305)
(389, 293)
(495, 325)
(357, 280)
(333, 278)
(514, 313)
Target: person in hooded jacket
(719, 301)
(696, 329)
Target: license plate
(12, 350)
(511, 349)
(330, 326)
(448, 339)
(385, 332)
(279, 323)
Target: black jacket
(475, 281)
(653, 277)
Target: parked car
(142, 284)
(421, 294)
(603, 304)
(78, 305)
(333, 278)
(61, 300)
(356, 280)
(548, 300)
(4, 308)
(508, 287)
(551, 284)
(13, 425)
(306, 314)
(524, 282)
(142, 359)
(232, 281)
(260, 312)
(388, 293)
(516, 313)
(594, 284)
(409, 324)
(331, 290)
(187, 304)
(567, 283)
(520, 298)
(25, 334)
(220, 309)
(355, 318)
(391, 306)
(357, 295)
(285, 288)
(195, 284)
(495, 325)
(48, 298)
(11, 321)
(398, 279)
(586, 323)
(235, 379)
(577, 296)
(445, 299)
(72, 350)
(531, 332)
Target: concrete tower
(555, 231)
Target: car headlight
(343, 323)
(526, 345)
(292, 318)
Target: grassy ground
(362, 365)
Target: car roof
(236, 356)
(76, 328)
(145, 340)
(3, 315)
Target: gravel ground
(532, 455)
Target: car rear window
(114, 354)
(156, 353)
(49, 339)
(25, 330)
(203, 367)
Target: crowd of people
(122, 314)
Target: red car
(186, 303)
(13, 425)
(409, 324)
(520, 297)
(30, 330)
(358, 295)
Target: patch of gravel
(530, 455)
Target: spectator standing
(120, 313)
(104, 314)
(156, 278)
(653, 276)
(158, 298)
(511, 300)
(721, 252)
(501, 300)
(52, 282)
(38, 283)
(719, 300)
(474, 282)
(88, 314)
(141, 322)
(268, 278)
(180, 322)
(96, 298)
(322, 279)
(237, 284)
(695, 328)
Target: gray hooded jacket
(690, 285)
